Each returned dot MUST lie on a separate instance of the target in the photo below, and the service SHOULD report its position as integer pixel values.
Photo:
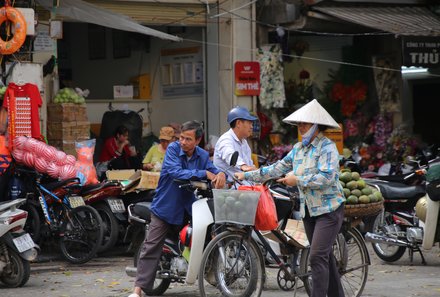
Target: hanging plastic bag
(266, 217)
(86, 170)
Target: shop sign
(181, 72)
(421, 51)
(247, 78)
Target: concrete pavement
(105, 277)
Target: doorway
(425, 95)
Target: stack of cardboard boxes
(67, 123)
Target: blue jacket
(170, 202)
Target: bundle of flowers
(280, 151)
(350, 96)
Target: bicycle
(63, 216)
(237, 255)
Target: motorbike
(183, 249)
(176, 263)
(17, 248)
(404, 222)
(104, 197)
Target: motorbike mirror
(234, 159)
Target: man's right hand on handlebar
(218, 180)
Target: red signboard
(247, 78)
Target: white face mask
(306, 137)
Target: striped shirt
(317, 169)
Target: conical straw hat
(313, 113)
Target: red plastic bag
(266, 217)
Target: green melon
(356, 192)
(352, 199)
(361, 184)
(364, 199)
(342, 183)
(355, 175)
(378, 195)
(345, 177)
(352, 185)
(347, 192)
(373, 198)
(367, 191)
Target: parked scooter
(104, 198)
(399, 226)
(16, 246)
(431, 233)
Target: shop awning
(156, 13)
(401, 20)
(86, 12)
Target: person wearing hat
(313, 166)
(241, 123)
(155, 155)
(176, 128)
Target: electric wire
(306, 58)
(231, 12)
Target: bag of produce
(266, 217)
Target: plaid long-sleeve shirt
(317, 169)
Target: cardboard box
(68, 130)
(134, 179)
(149, 180)
(123, 92)
(293, 234)
(66, 112)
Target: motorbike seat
(58, 184)
(399, 191)
(399, 178)
(142, 210)
(87, 189)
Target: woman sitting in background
(154, 158)
(117, 149)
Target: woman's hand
(148, 166)
(239, 175)
(289, 180)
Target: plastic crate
(233, 206)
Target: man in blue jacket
(183, 160)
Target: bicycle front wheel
(81, 234)
(231, 266)
(352, 259)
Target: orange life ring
(16, 17)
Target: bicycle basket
(234, 206)
(363, 210)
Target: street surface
(105, 277)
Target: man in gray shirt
(241, 123)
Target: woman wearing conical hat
(313, 166)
